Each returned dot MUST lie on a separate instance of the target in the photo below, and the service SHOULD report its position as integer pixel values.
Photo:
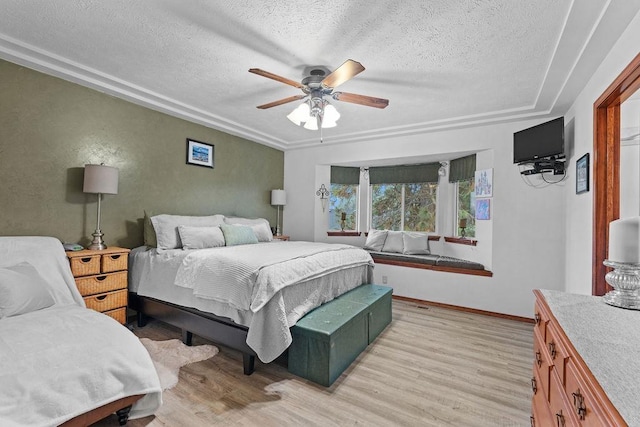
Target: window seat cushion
(427, 260)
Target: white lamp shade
(331, 114)
(300, 115)
(278, 197)
(100, 179)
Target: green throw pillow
(238, 235)
(148, 232)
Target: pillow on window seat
(394, 242)
(415, 243)
(375, 240)
(22, 290)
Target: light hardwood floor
(431, 367)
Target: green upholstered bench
(329, 338)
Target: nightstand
(281, 237)
(101, 278)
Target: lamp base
(97, 244)
(625, 279)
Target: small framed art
(582, 174)
(483, 209)
(484, 183)
(199, 153)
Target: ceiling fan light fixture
(300, 114)
(331, 114)
(312, 125)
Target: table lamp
(278, 198)
(99, 179)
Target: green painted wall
(51, 128)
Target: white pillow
(22, 290)
(200, 237)
(415, 243)
(394, 242)
(375, 240)
(166, 227)
(260, 227)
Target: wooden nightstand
(281, 237)
(101, 278)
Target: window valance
(462, 169)
(404, 174)
(345, 175)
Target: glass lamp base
(625, 279)
(97, 244)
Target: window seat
(431, 262)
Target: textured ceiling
(441, 63)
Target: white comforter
(63, 361)
(248, 276)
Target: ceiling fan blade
(354, 98)
(275, 77)
(346, 71)
(280, 102)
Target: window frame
(356, 212)
(402, 206)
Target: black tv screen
(545, 140)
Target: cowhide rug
(169, 356)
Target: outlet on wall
(384, 280)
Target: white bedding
(59, 362)
(153, 273)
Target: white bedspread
(248, 276)
(63, 361)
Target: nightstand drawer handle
(100, 278)
(85, 259)
(114, 256)
(101, 297)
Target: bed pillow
(260, 227)
(375, 240)
(148, 233)
(238, 235)
(393, 242)
(22, 290)
(166, 227)
(200, 237)
(415, 243)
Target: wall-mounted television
(544, 141)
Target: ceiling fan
(316, 112)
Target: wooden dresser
(101, 278)
(580, 363)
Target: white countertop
(608, 339)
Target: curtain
(345, 175)
(462, 169)
(405, 174)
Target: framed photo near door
(582, 174)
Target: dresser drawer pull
(114, 257)
(101, 297)
(537, 317)
(578, 403)
(532, 420)
(560, 419)
(100, 278)
(538, 359)
(534, 387)
(552, 349)
(85, 260)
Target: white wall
(579, 219)
(526, 235)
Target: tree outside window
(466, 206)
(343, 198)
(408, 207)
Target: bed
(63, 364)
(244, 296)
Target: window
(466, 206)
(343, 198)
(408, 207)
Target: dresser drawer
(85, 265)
(561, 409)
(541, 318)
(557, 351)
(107, 301)
(585, 406)
(114, 262)
(541, 362)
(91, 285)
(120, 314)
(540, 414)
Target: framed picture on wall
(483, 209)
(582, 174)
(199, 153)
(484, 183)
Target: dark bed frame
(221, 330)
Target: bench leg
(187, 337)
(141, 318)
(248, 363)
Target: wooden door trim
(606, 165)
